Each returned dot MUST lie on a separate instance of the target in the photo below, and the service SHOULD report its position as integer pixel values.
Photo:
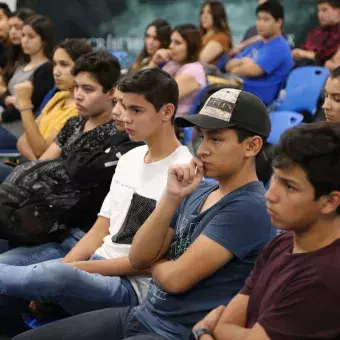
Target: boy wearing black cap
(202, 239)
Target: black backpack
(32, 201)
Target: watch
(196, 334)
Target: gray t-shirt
(238, 222)
(19, 76)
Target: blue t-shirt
(239, 222)
(275, 59)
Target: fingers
(186, 173)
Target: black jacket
(86, 167)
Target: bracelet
(27, 108)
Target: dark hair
(6, 9)
(163, 31)
(43, 26)
(335, 73)
(192, 36)
(157, 86)
(333, 3)
(272, 7)
(220, 19)
(15, 54)
(316, 149)
(102, 66)
(75, 47)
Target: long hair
(220, 19)
(163, 31)
(16, 56)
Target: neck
(246, 175)
(318, 236)
(71, 94)
(161, 145)
(101, 118)
(38, 58)
(272, 37)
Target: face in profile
(207, 20)
(328, 15)
(89, 96)
(178, 47)
(62, 67)
(31, 41)
(4, 29)
(152, 44)
(15, 25)
(118, 110)
(332, 100)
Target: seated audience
(40, 133)
(157, 36)
(96, 273)
(292, 292)
(202, 239)
(37, 43)
(5, 14)
(181, 62)
(322, 42)
(16, 56)
(331, 104)
(216, 33)
(264, 65)
(334, 62)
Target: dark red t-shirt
(295, 296)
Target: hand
(9, 100)
(183, 179)
(161, 56)
(23, 94)
(210, 321)
(234, 51)
(34, 309)
(298, 53)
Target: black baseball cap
(228, 108)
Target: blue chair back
(281, 121)
(9, 153)
(222, 61)
(303, 89)
(124, 58)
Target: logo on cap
(221, 104)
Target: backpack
(32, 201)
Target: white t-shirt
(135, 190)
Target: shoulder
(220, 37)
(135, 155)
(191, 67)
(280, 244)
(45, 67)
(181, 155)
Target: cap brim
(202, 121)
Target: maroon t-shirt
(295, 296)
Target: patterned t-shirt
(72, 135)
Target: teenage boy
(331, 104)
(97, 273)
(202, 239)
(322, 42)
(293, 291)
(265, 64)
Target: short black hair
(272, 7)
(75, 47)
(316, 149)
(333, 3)
(23, 13)
(102, 66)
(157, 86)
(6, 9)
(335, 73)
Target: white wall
(11, 3)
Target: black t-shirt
(295, 296)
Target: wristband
(27, 108)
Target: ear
(330, 203)
(253, 146)
(167, 111)
(111, 93)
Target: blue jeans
(24, 256)
(112, 323)
(5, 170)
(7, 140)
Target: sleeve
(305, 310)
(229, 226)
(308, 44)
(194, 69)
(329, 48)
(221, 38)
(269, 58)
(85, 166)
(105, 210)
(244, 52)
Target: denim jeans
(24, 256)
(7, 139)
(5, 170)
(112, 323)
